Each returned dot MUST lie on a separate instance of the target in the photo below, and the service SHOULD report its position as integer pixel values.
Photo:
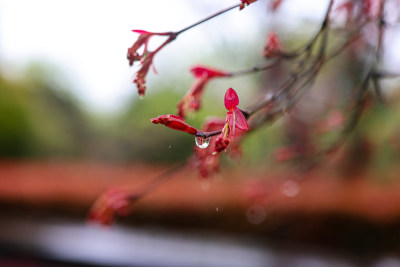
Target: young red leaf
(175, 122)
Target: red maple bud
(231, 99)
(246, 2)
(273, 47)
(114, 201)
(235, 115)
(192, 100)
(222, 141)
(175, 122)
(234, 120)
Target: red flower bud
(175, 122)
(234, 119)
(221, 143)
(231, 99)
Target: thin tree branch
(207, 18)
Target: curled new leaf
(175, 122)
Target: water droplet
(290, 188)
(202, 142)
(169, 146)
(256, 214)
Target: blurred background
(72, 125)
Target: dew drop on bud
(202, 142)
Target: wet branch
(207, 18)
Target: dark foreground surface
(241, 218)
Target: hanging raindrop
(202, 142)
